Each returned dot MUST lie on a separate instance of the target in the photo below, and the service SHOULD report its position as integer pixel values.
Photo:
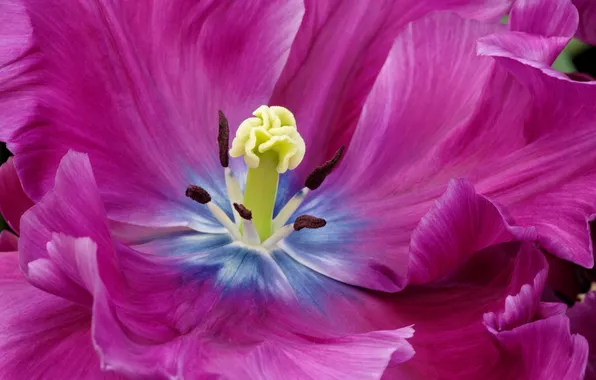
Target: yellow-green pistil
(271, 145)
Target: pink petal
(8, 241)
(459, 225)
(64, 264)
(166, 321)
(149, 309)
(63, 233)
(560, 153)
(564, 232)
(451, 341)
(9, 266)
(373, 200)
(545, 349)
(546, 18)
(73, 209)
(369, 248)
(500, 125)
(534, 48)
(228, 292)
(419, 99)
(363, 356)
(145, 82)
(587, 20)
(526, 287)
(583, 321)
(487, 10)
(514, 137)
(13, 201)
(132, 357)
(535, 333)
(43, 336)
(131, 234)
(502, 132)
(69, 272)
(358, 356)
(550, 309)
(18, 60)
(336, 91)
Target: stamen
(222, 217)
(250, 234)
(198, 194)
(280, 234)
(234, 192)
(288, 210)
(317, 176)
(243, 211)
(309, 221)
(223, 140)
(303, 221)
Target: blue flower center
(270, 145)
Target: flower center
(271, 145)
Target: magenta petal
(18, 75)
(234, 294)
(72, 208)
(65, 263)
(419, 100)
(549, 25)
(451, 310)
(358, 356)
(145, 82)
(526, 287)
(43, 336)
(583, 321)
(172, 321)
(13, 200)
(564, 232)
(363, 356)
(8, 241)
(534, 338)
(557, 163)
(547, 18)
(587, 20)
(561, 157)
(461, 224)
(545, 349)
(451, 340)
(376, 197)
(367, 244)
(151, 310)
(70, 271)
(535, 48)
(64, 231)
(128, 356)
(551, 309)
(9, 266)
(328, 115)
